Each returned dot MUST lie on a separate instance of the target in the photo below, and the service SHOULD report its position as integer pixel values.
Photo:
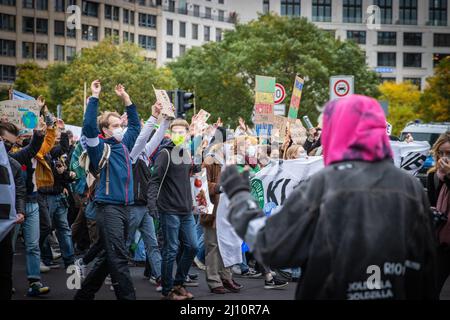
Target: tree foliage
(222, 74)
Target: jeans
(112, 224)
(57, 215)
(173, 228)
(142, 221)
(201, 240)
(31, 237)
(244, 266)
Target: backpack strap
(165, 173)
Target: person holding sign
(114, 192)
(359, 229)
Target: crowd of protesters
(90, 197)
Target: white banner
(410, 156)
(7, 194)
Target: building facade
(414, 35)
(36, 30)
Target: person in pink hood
(359, 229)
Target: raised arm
(134, 125)
(95, 145)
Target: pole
(85, 97)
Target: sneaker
(153, 280)
(193, 276)
(251, 274)
(275, 284)
(174, 296)
(81, 268)
(180, 290)
(111, 288)
(56, 255)
(236, 269)
(108, 280)
(37, 289)
(53, 265)
(159, 286)
(199, 264)
(190, 283)
(44, 268)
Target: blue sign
(384, 69)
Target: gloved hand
(232, 182)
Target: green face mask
(177, 139)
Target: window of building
(321, 10)
(182, 49)
(412, 60)
(7, 48)
(60, 28)
(111, 13)
(438, 12)
(441, 39)
(387, 59)
(387, 38)
(415, 81)
(89, 33)
(60, 6)
(41, 26)
(169, 52)
(28, 4)
(28, 50)
(352, 11)
(388, 79)
(221, 2)
(128, 17)
(218, 34)
(8, 73)
(59, 53)
(221, 16)
(42, 5)
(169, 25)
(195, 31)
(206, 33)
(412, 39)
(147, 42)
(385, 10)
(208, 13)
(71, 33)
(288, 7)
(266, 6)
(196, 10)
(171, 5)
(182, 29)
(70, 53)
(408, 12)
(90, 9)
(128, 36)
(147, 20)
(8, 2)
(358, 36)
(7, 22)
(28, 24)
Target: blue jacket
(119, 166)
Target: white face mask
(118, 134)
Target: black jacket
(24, 157)
(175, 195)
(340, 222)
(21, 191)
(311, 145)
(434, 186)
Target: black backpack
(141, 178)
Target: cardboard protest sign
(163, 98)
(23, 113)
(264, 99)
(296, 97)
(203, 116)
(298, 132)
(279, 128)
(200, 194)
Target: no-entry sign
(341, 86)
(280, 93)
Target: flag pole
(85, 97)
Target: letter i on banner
(296, 97)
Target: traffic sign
(280, 93)
(279, 110)
(341, 86)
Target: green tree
(112, 64)
(223, 74)
(403, 102)
(435, 101)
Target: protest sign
(7, 194)
(23, 113)
(200, 194)
(296, 97)
(410, 156)
(167, 107)
(264, 99)
(298, 132)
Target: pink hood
(354, 128)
